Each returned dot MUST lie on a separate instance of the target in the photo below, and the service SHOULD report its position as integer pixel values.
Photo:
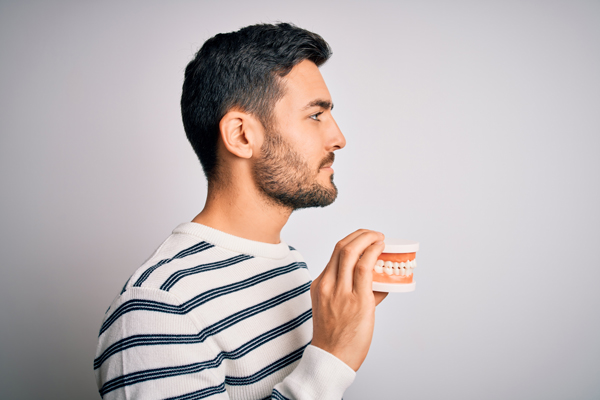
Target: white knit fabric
(211, 315)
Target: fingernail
(379, 242)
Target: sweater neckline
(234, 243)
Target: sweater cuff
(322, 374)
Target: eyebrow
(319, 103)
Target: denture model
(393, 271)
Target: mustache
(327, 160)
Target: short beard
(285, 178)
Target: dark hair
(241, 70)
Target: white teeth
(388, 267)
(395, 268)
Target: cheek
(311, 151)
(305, 141)
(306, 151)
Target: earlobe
(236, 133)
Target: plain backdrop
(471, 126)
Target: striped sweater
(211, 315)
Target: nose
(336, 140)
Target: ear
(239, 133)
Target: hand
(343, 300)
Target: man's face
(294, 167)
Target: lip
(327, 168)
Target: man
(224, 308)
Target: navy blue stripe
(176, 276)
(200, 394)
(266, 371)
(125, 286)
(265, 305)
(151, 374)
(164, 339)
(159, 373)
(150, 305)
(136, 305)
(291, 248)
(197, 248)
(244, 284)
(278, 396)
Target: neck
(243, 212)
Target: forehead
(303, 85)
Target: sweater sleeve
(319, 375)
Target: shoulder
(294, 253)
(179, 256)
(185, 265)
(187, 274)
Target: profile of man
(224, 309)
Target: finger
(349, 257)
(379, 296)
(330, 272)
(363, 273)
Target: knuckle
(325, 289)
(316, 284)
(319, 287)
(362, 268)
(366, 267)
(347, 251)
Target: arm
(154, 351)
(147, 351)
(343, 299)
(343, 305)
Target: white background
(472, 127)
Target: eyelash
(316, 116)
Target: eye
(315, 117)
